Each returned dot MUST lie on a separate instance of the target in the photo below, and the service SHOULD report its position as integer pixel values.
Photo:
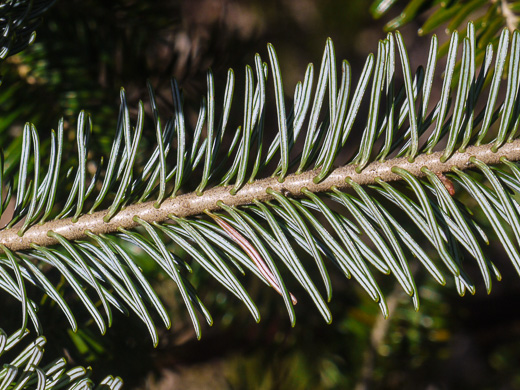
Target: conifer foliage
(332, 190)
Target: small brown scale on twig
(447, 183)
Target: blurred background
(87, 50)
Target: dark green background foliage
(87, 50)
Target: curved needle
(251, 252)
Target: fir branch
(192, 204)
(285, 215)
